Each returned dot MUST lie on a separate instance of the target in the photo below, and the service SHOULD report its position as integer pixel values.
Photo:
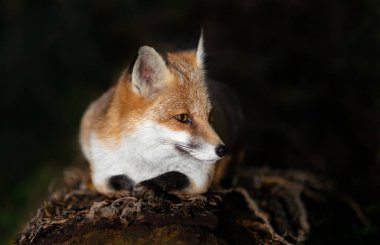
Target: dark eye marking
(182, 150)
(187, 148)
(193, 145)
(183, 118)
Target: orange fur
(120, 109)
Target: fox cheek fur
(150, 132)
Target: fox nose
(221, 150)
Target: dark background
(307, 74)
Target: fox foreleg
(162, 185)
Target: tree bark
(264, 207)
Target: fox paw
(148, 192)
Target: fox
(151, 133)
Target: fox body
(151, 131)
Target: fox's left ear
(149, 73)
(200, 54)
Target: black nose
(221, 150)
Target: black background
(307, 74)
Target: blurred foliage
(307, 72)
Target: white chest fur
(144, 154)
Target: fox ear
(200, 51)
(149, 73)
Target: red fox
(150, 133)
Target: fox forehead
(184, 65)
(187, 91)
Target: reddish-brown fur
(120, 109)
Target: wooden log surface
(264, 207)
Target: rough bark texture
(265, 207)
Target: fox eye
(183, 118)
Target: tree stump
(264, 207)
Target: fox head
(163, 100)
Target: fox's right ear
(200, 55)
(149, 73)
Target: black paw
(120, 182)
(160, 186)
